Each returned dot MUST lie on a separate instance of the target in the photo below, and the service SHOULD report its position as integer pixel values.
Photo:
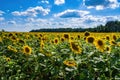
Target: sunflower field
(59, 56)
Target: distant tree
(110, 26)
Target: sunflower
(62, 39)
(52, 42)
(40, 35)
(70, 63)
(86, 34)
(78, 36)
(75, 47)
(107, 37)
(10, 34)
(11, 48)
(13, 38)
(16, 34)
(27, 50)
(112, 42)
(56, 41)
(71, 38)
(90, 39)
(7, 59)
(84, 38)
(66, 36)
(114, 37)
(99, 43)
(108, 49)
(21, 41)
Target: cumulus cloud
(101, 4)
(32, 11)
(59, 2)
(85, 21)
(38, 23)
(1, 13)
(72, 13)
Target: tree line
(110, 26)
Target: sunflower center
(62, 39)
(90, 39)
(114, 37)
(107, 49)
(100, 43)
(66, 36)
(75, 47)
(87, 34)
(113, 42)
(27, 50)
(107, 38)
(56, 41)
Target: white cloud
(2, 18)
(32, 11)
(1, 13)
(35, 20)
(31, 23)
(84, 21)
(59, 2)
(11, 22)
(101, 4)
(114, 4)
(72, 13)
(45, 1)
(99, 7)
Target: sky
(26, 15)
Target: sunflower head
(108, 49)
(114, 37)
(107, 37)
(112, 42)
(99, 43)
(84, 38)
(27, 50)
(56, 40)
(90, 39)
(40, 35)
(66, 36)
(7, 59)
(11, 48)
(21, 41)
(62, 39)
(13, 38)
(75, 47)
(86, 34)
(70, 63)
(71, 38)
(78, 36)
(10, 34)
(52, 42)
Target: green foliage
(48, 64)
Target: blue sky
(25, 15)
